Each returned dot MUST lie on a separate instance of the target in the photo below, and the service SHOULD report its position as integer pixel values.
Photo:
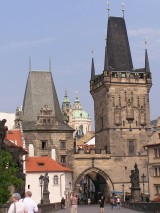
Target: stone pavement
(95, 209)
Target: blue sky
(67, 31)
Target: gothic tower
(121, 96)
(45, 131)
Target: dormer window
(40, 164)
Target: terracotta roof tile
(14, 136)
(43, 164)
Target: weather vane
(123, 8)
(108, 8)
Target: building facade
(153, 149)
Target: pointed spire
(66, 99)
(92, 68)
(123, 8)
(50, 65)
(30, 64)
(146, 58)
(77, 104)
(77, 99)
(108, 7)
(106, 67)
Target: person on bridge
(101, 202)
(74, 203)
(29, 202)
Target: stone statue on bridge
(45, 189)
(134, 177)
(3, 130)
(135, 186)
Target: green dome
(79, 113)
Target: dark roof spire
(147, 62)
(92, 68)
(118, 50)
(146, 57)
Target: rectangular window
(157, 189)
(63, 144)
(157, 171)
(63, 160)
(131, 147)
(157, 152)
(43, 145)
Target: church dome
(79, 113)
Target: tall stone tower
(45, 132)
(121, 96)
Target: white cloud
(144, 32)
(22, 44)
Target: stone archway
(92, 183)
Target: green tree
(8, 170)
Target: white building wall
(10, 117)
(56, 191)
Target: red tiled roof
(43, 164)
(14, 136)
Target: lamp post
(41, 180)
(123, 192)
(143, 179)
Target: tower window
(62, 144)
(43, 144)
(157, 171)
(63, 160)
(131, 147)
(157, 153)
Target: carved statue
(46, 182)
(3, 130)
(134, 177)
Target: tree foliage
(8, 170)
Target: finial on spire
(29, 63)
(50, 65)
(108, 8)
(146, 42)
(92, 53)
(123, 8)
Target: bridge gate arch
(92, 183)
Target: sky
(66, 31)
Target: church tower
(121, 96)
(45, 132)
(78, 119)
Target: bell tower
(121, 96)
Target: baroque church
(77, 118)
(122, 120)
